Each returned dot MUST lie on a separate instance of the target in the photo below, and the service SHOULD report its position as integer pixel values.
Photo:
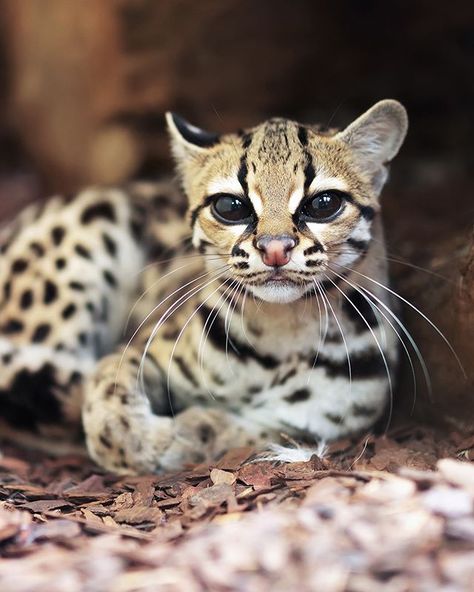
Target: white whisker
(417, 310)
(382, 354)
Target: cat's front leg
(127, 433)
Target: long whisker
(417, 310)
(382, 354)
(190, 318)
(408, 335)
(342, 251)
(242, 324)
(207, 329)
(134, 334)
(227, 322)
(325, 297)
(177, 304)
(154, 284)
(407, 352)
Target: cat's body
(242, 337)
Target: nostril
(275, 249)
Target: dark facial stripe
(359, 245)
(195, 212)
(316, 248)
(238, 252)
(367, 212)
(203, 245)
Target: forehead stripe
(242, 174)
(303, 135)
(243, 169)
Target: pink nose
(275, 249)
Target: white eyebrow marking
(228, 184)
(322, 183)
(295, 199)
(256, 202)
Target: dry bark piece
(138, 515)
(219, 476)
(258, 474)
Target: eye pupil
(230, 208)
(322, 206)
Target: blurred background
(84, 85)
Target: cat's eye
(322, 207)
(231, 209)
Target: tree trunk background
(84, 86)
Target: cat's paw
(201, 435)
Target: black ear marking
(194, 135)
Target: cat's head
(283, 203)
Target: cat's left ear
(188, 140)
(376, 137)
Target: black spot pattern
(41, 333)
(57, 234)
(26, 299)
(68, 311)
(77, 286)
(19, 265)
(110, 245)
(185, 370)
(30, 399)
(12, 326)
(50, 292)
(110, 278)
(298, 396)
(37, 249)
(83, 252)
(102, 210)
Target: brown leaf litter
(382, 513)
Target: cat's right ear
(188, 140)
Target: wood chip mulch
(383, 513)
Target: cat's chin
(278, 291)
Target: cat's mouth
(281, 278)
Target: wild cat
(252, 289)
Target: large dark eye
(231, 209)
(322, 206)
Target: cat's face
(282, 204)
